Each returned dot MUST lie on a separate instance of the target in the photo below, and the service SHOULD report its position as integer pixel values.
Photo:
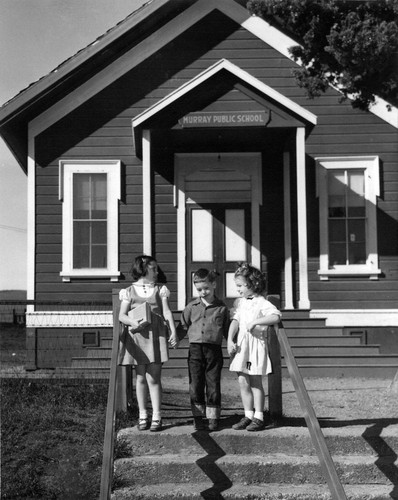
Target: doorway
(218, 236)
(218, 197)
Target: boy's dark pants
(205, 362)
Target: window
(347, 188)
(90, 191)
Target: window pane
(99, 198)
(81, 196)
(230, 287)
(80, 256)
(99, 232)
(336, 192)
(356, 242)
(99, 256)
(202, 236)
(235, 244)
(337, 231)
(81, 233)
(356, 194)
(337, 254)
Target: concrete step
(347, 440)
(324, 340)
(320, 371)
(314, 331)
(198, 491)
(303, 322)
(301, 360)
(335, 371)
(250, 469)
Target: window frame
(112, 168)
(370, 166)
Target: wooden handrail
(317, 437)
(109, 434)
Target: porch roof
(181, 100)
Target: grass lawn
(51, 432)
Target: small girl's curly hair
(255, 279)
(205, 275)
(140, 266)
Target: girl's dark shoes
(256, 425)
(156, 426)
(242, 424)
(143, 424)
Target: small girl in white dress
(252, 314)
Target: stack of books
(142, 314)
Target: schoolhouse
(181, 133)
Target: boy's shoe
(213, 424)
(256, 425)
(156, 426)
(198, 424)
(242, 424)
(143, 424)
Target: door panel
(218, 236)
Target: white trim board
(71, 319)
(357, 317)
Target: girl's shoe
(156, 426)
(143, 424)
(256, 425)
(242, 424)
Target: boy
(207, 319)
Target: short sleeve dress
(252, 354)
(148, 345)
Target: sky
(35, 37)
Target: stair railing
(317, 437)
(109, 433)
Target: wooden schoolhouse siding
(101, 128)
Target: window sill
(360, 271)
(89, 273)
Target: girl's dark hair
(140, 266)
(254, 277)
(205, 275)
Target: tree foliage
(350, 45)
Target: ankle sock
(259, 415)
(143, 415)
(249, 414)
(156, 416)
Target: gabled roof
(138, 29)
(205, 77)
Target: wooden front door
(218, 237)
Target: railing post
(274, 378)
(124, 391)
(109, 434)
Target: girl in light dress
(252, 314)
(146, 347)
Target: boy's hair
(140, 266)
(205, 275)
(255, 278)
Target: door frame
(250, 165)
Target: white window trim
(66, 170)
(372, 189)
